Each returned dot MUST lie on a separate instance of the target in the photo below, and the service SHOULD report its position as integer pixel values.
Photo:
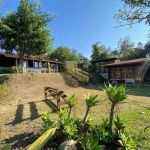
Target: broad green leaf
(98, 147)
(6, 147)
(94, 142)
(40, 142)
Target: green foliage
(5, 70)
(134, 11)
(89, 135)
(101, 131)
(15, 69)
(115, 94)
(85, 73)
(72, 100)
(6, 147)
(126, 141)
(91, 100)
(99, 51)
(80, 77)
(47, 122)
(63, 53)
(119, 123)
(42, 140)
(90, 143)
(24, 30)
(6, 94)
(68, 126)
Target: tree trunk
(111, 117)
(86, 114)
(21, 63)
(69, 112)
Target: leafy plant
(47, 122)
(90, 102)
(71, 101)
(126, 141)
(68, 126)
(42, 140)
(120, 123)
(115, 95)
(90, 143)
(6, 147)
(101, 131)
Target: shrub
(15, 69)
(4, 70)
(85, 73)
(80, 77)
(70, 69)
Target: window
(36, 64)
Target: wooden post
(16, 62)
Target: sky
(81, 23)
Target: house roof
(34, 58)
(126, 62)
(103, 60)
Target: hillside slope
(31, 85)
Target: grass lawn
(20, 120)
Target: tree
(99, 51)
(24, 31)
(134, 11)
(95, 51)
(125, 46)
(63, 53)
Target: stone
(67, 145)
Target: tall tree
(134, 11)
(24, 31)
(125, 46)
(63, 53)
(95, 51)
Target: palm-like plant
(115, 95)
(90, 102)
(72, 101)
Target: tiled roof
(126, 62)
(36, 58)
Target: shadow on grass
(52, 105)
(19, 114)
(21, 141)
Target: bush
(80, 77)
(85, 73)
(16, 70)
(5, 70)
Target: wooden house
(31, 63)
(138, 70)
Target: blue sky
(82, 23)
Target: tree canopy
(134, 11)
(24, 31)
(99, 51)
(63, 53)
